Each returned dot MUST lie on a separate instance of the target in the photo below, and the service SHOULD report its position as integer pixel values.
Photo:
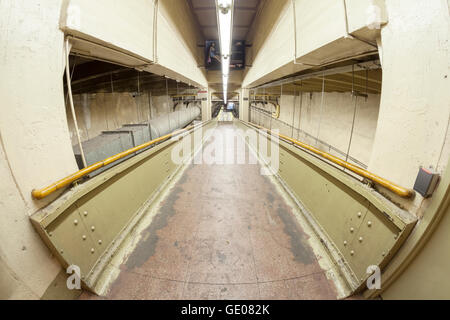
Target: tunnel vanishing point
(224, 149)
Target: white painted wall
(276, 52)
(129, 27)
(117, 23)
(244, 101)
(205, 96)
(415, 104)
(35, 145)
(173, 54)
(362, 13)
(318, 23)
(97, 112)
(108, 111)
(335, 118)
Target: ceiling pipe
(72, 107)
(224, 9)
(155, 30)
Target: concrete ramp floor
(222, 232)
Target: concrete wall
(113, 22)
(274, 46)
(35, 142)
(109, 111)
(183, 20)
(413, 129)
(175, 56)
(415, 111)
(330, 122)
(244, 100)
(205, 96)
(262, 28)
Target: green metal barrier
(357, 225)
(85, 226)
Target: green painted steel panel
(363, 227)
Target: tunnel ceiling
(244, 15)
(245, 12)
(91, 76)
(362, 81)
(342, 82)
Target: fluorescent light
(225, 22)
(225, 81)
(225, 91)
(224, 3)
(225, 32)
(225, 66)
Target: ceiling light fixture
(225, 23)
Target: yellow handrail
(402, 192)
(44, 192)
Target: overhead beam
(370, 65)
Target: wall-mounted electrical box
(426, 182)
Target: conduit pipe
(402, 192)
(155, 31)
(72, 107)
(46, 191)
(166, 123)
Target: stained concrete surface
(224, 232)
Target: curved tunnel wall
(414, 110)
(42, 152)
(413, 125)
